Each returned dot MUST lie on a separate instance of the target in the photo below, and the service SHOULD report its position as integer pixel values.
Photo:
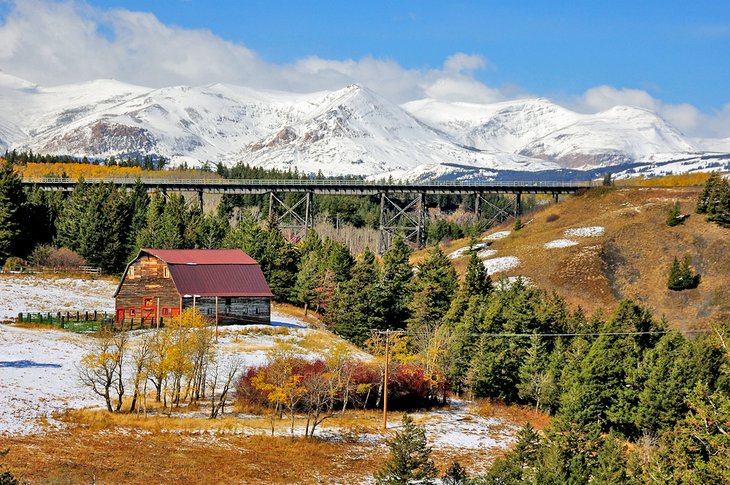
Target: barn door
(149, 310)
(120, 315)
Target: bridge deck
(330, 187)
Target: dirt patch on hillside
(624, 250)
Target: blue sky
(676, 50)
(672, 57)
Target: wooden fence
(79, 321)
(88, 321)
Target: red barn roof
(201, 256)
(211, 272)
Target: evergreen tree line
(147, 162)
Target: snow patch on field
(497, 235)
(560, 243)
(487, 253)
(37, 294)
(458, 427)
(504, 263)
(467, 249)
(505, 283)
(593, 231)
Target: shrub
(552, 218)
(15, 264)
(518, 225)
(57, 258)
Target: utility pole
(387, 334)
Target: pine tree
(477, 280)
(396, 284)
(410, 457)
(681, 276)
(308, 279)
(674, 218)
(610, 467)
(71, 217)
(436, 281)
(715, 200)
(455, 475)
(356, 307)
(534, 380)
(12, 199)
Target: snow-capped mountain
(349, 131)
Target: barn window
(148, 301)
(165, 312)
(132, 312)
(228, 302)
(165, 272)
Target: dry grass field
(630, 259)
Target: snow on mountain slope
(619, 135)
(506, 126)
(541, 129)
(355, 131)
(351, 131)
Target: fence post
(78, 317)
(87, 316)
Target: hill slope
(630, 259)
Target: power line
(553, 335)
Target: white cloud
(459, 63)
(55, 43)
(685, 117)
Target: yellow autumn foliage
(39, 171)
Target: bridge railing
(299, 182)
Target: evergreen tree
(455, 475)
(610, 467)
(396, 284)
(279, 263)
(308, 279)
(674, 217)
(534, 380)
(477, 281)
(71, 217)
(12, 199)
(715, 200)
(434, 287)
(356, 307)
(682, 277)
(410, 457)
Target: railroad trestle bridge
(402, 204)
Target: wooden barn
(226, 285)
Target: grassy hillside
(630, 259)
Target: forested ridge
(632, 400)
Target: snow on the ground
(592, 231)
(506, 283)
(38, 376)
(560, 243)
(497, 235)
(486, 253)
(503, 263)
(40, 294)
(459, 427)
(463, 251)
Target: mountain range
(352, 131)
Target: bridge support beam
(556, 197)
(296, 219)
(500, 210)
(200, 201)
(405, 219)
(518, 204)
(477, 206)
